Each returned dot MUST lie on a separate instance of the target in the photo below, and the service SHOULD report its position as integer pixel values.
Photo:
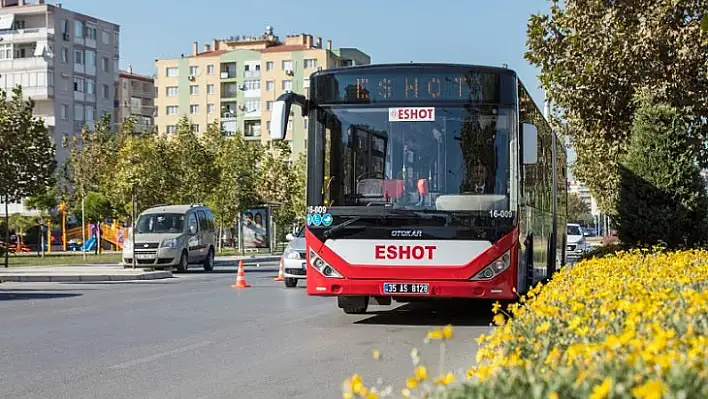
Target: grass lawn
(60, 259)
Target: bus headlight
(323, 267)
(494, 269)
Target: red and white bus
(427, 181)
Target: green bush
(662, 194)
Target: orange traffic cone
(240, 277)
(281, 273)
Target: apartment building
(136, 100)
(67, 62)
(236, 80)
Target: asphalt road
(194, 336)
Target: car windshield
(574, 231)
(446, 159)
(156, 223)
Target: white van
(173, 236)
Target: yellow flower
(544, 327)
(495, 307)
(435, 334)
(377, 354)
(601, 391)
(412, 383)
(347, 395)
(553, 395)
(447, 331)
(406, 393)
(421, 373)
(498, 319)
(653, 389)
(372, 395)
(446, 379)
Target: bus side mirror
(529, 135)
(279, 119)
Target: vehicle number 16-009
(501, 213)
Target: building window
(79, 84)
(193, 90)
(210, 69)
(194, 109)
(171, 129)
(66, 84)
(210, 89)
(311, 63)
(211, 108)
(105, 64)
(105, 37)
(172, 110)
(269, 65)
(91, 58)
(90, 113)
(288, 85)
(268, 126)
(90, 86)
(269, 105)
(253, 105)
(171, 71)
(270, 85)
(78, 57)
(106, 92)
(252, 84)
(64, 112)
(171, 91)
(287, 65)
(304, 123)
(194, 70)
(64, 55)
(78, 29)
(195, 128)
(78, 112)
(91, 33)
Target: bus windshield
(453, 158)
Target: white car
(576, 245)
(294, 258)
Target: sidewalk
(78, 273)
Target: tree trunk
(7, 231)
(83, 226)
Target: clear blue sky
(464, 31)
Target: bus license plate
(395, 288)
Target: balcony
(252, 74)
(26, 35)
(145, 110)
(27, 63)
(36, 92)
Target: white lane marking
(156, 356)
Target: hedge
(634, 324)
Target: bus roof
(419, 65)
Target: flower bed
(631, 325)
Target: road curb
(67, 278)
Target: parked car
(576, 245)
(295, 258)
(173, 236)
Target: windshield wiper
(329, 233)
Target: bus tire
(353, 304)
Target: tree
(595, 55)
(194, 165)
(27, 162)
(663, 196)
(277, 182)
(236, 163)
(20, 224)
(578, 210)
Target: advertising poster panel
(254, 228)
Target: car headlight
(170, 243)
(290, 253)
(495, 268)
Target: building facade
(66, 62)
(136, 100)
(236, 81)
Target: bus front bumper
(498, 288)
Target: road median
(79, 273)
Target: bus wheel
(353, 304)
